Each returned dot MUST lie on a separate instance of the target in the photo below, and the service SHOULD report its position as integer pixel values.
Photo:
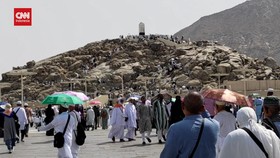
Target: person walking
(90, 117)
(160, 114)
(145, 120)
(9, 128)
(77, 118)
(59, 123)
(271, 111)
(251, 139)
(258, 103)
(104, 117)
(117, 121)
(22, 120)
(28, 112)
(196, 135)
(226, 121)
(176, 111)
(97, 115)
(49, 112)
(130, 114)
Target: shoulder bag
(198, 139)
(256, 140)
(59, 137)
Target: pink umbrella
(227, 96)
(80, 95)
(93, 102)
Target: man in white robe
(77, 118)
(22, 119)
(90, 119)
(117, 121)
(238, 143)
(59, 123)
(130, 113)
(226, 121)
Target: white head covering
(270, 89)
(246, 117)
(220, 103)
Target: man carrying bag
(59, 123)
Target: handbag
(198, 139)
(256, 140)
(59, 137)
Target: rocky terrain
(251, 28)
(146, 63)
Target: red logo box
(22, 16)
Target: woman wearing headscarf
(176, 111)
(239, 143)
(9, 128)
(49, 117)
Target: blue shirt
(182, 137)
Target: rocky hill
(251, 28)
(153, 62)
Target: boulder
(30, 64)
(270, 62)
(194, 83)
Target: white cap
(270, 89)
(25, 104)
(18, 102)
(220, 103)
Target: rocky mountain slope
(251, 27)
(153, 62)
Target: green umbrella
(63, 99)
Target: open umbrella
(94, 102)
(63, 99)
(226, 96)
(3, 104)
(254, 95)
(80, 95)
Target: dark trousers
(22, 132)
(17, 129)
(26, 129)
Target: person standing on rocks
(118, 122)
(22, 120)
(145, 120)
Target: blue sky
(62, 25)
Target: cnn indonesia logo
(22, 16)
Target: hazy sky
(62, 25)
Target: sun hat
(8, 106)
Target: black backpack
(80, 133)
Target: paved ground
(97, 145)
